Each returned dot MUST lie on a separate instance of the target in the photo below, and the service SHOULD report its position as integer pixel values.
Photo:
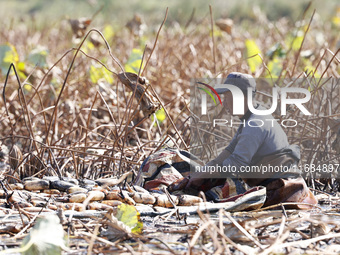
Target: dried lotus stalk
(36, 185)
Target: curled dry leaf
(79, 26)
(149, 103)
(15, 157)
(136, 25)
(225, 25)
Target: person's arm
(249, 142)
(197, 178)
(219, 159)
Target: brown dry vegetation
(95, 115)
(83, 129)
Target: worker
(261, 145)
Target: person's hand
(194, 183)
(195, 180)
(180, 184)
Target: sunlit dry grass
(90, 133)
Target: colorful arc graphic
(209, 93)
